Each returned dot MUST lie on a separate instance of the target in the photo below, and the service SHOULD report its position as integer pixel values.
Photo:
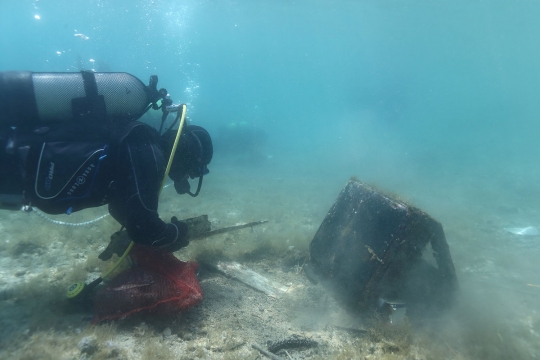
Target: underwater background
(434, 101)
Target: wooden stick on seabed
(266, 353)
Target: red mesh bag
(157, 282)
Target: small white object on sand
(529, 230)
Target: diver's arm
(139, 176)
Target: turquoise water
(435, 101)
(451, 83)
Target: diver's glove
(176, 236)
(120, 241)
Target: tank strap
(90, 85)
(92, 106)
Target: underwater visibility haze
(435, 102)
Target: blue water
(452, 81)
(435, 101)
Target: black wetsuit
(76, 167)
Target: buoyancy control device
(29, 99)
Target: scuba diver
(71, 141)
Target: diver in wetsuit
(66, 176)
(68, 167)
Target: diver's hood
(193, 154)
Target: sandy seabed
(498, 315)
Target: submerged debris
(251, 278)
(293, 342)
(371, 245)
(529, 230)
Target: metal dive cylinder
(35, 98)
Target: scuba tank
(29, 99)
(41, 110)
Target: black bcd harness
(72, 166)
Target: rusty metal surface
(370, 246)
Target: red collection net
(157, 282)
